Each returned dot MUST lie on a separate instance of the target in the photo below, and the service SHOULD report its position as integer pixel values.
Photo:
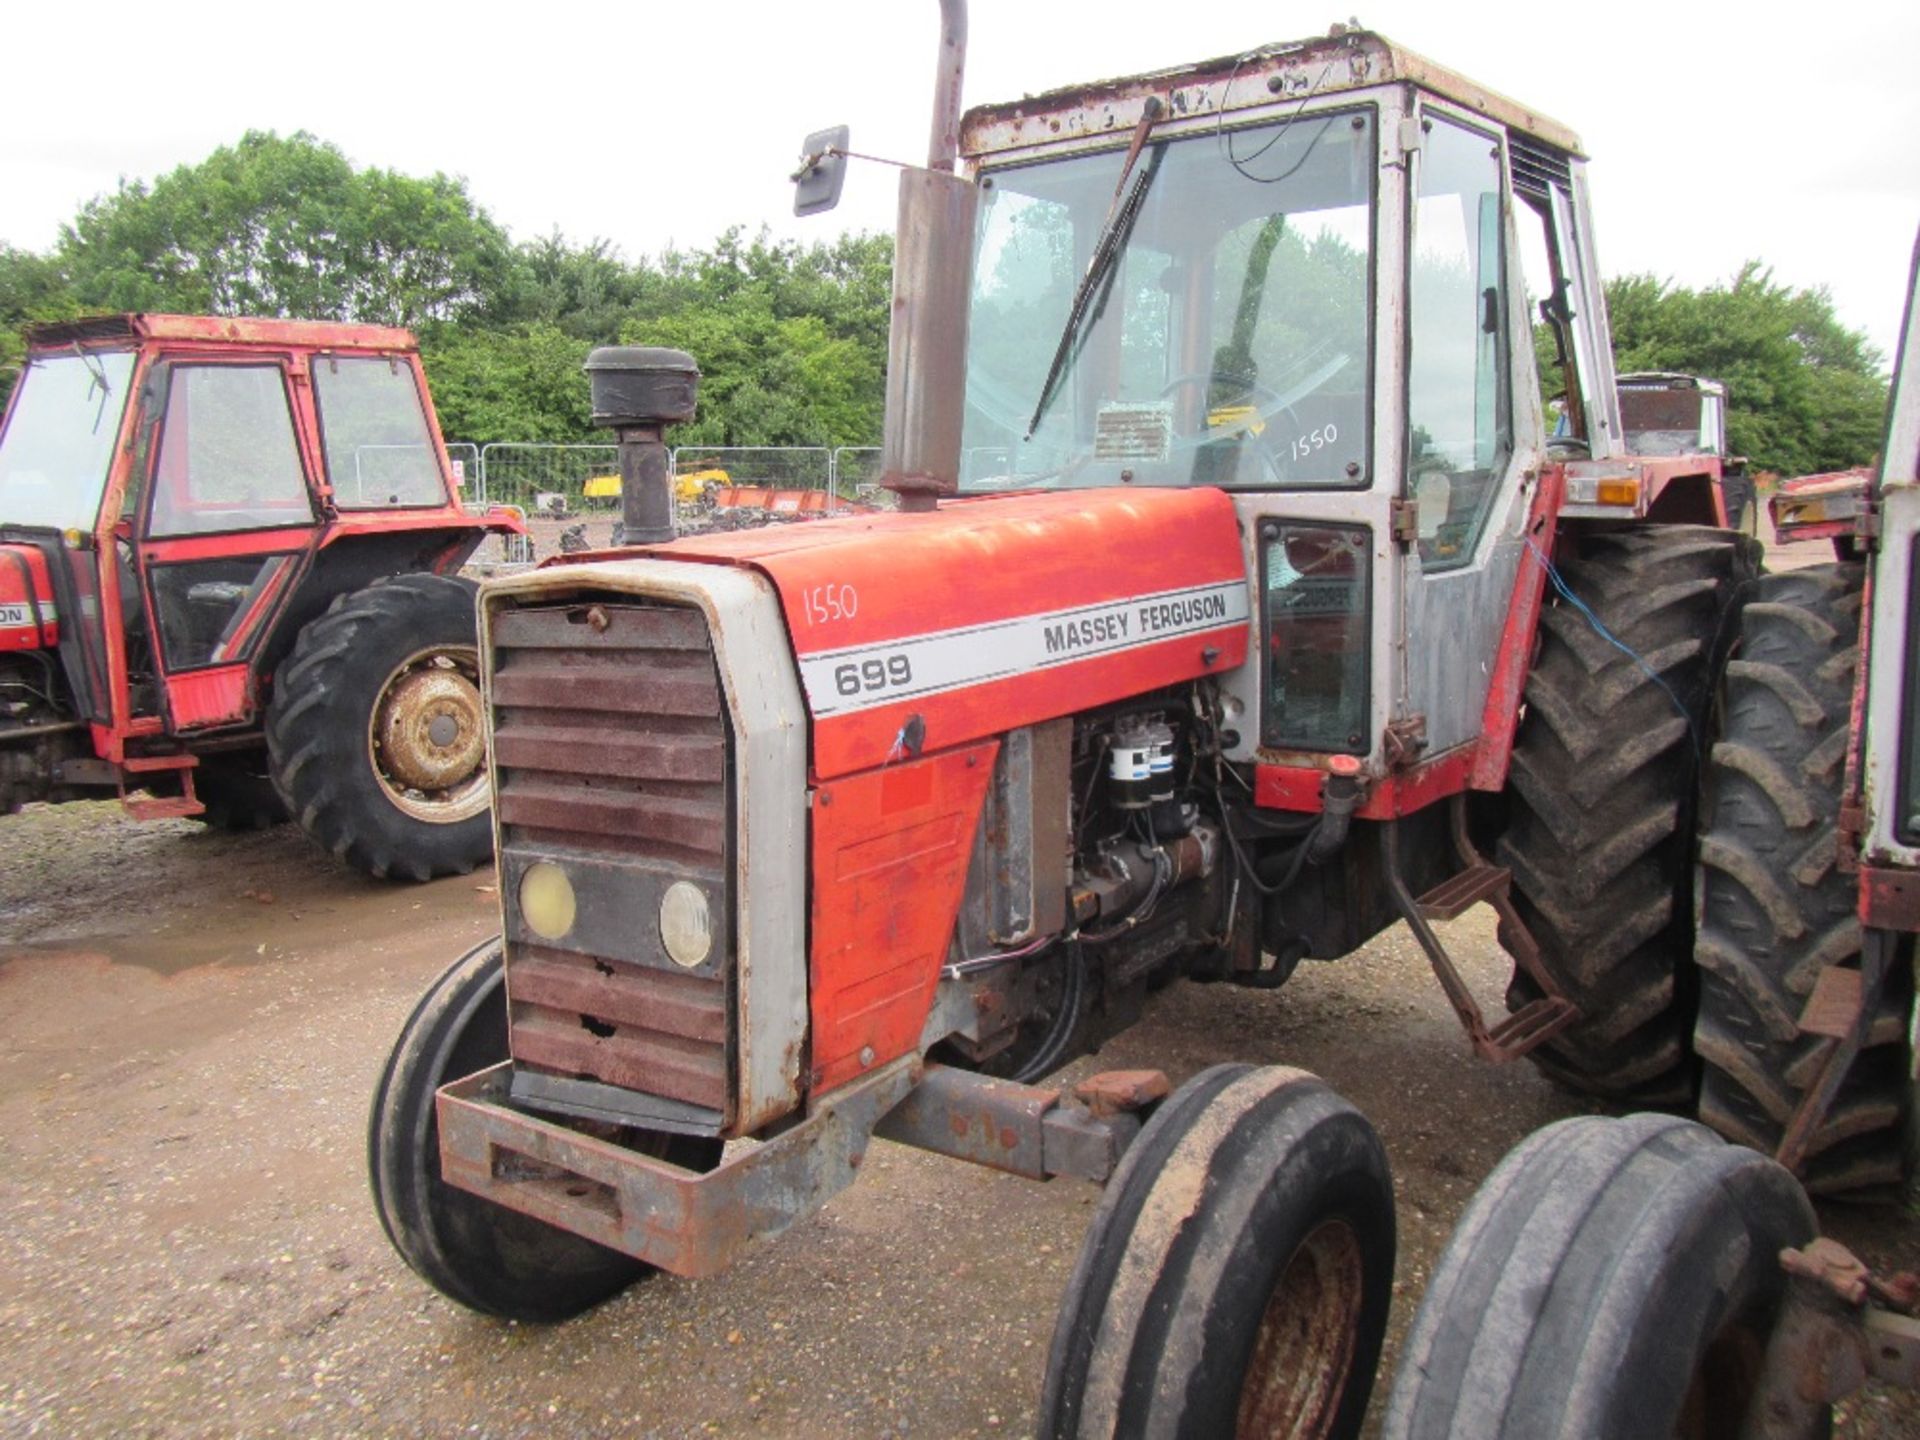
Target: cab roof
(221, 329)
(1292, 71)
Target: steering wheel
(1271, 407)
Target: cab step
(1477, 883)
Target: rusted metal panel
(927, 341)
(1890, 899)
(668, 821)
(686, 1223)
(1024, 1130)
(294, 334)
(632, 1057)
(1241, 86)
(682, 1005)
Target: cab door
(226, 522)
(1469, 465)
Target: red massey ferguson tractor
(227, 580)
(1238, 605)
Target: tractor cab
(179, 497)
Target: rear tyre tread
(1775, 911)
(317, 727)
(1597, 839)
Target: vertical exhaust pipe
(637, 392)
(932, 275)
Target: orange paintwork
(889, 860)
(869, 579)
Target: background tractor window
(1457, 400)
(58, 444)
(380, 452)
(227, 457)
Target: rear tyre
(1238, 1272)
(1775, 910)
(377, 734)
(482, 1255)
(1603, 772)
(1612, 1279)
(238, 792)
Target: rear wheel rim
(426, 738)
(1297, 1372)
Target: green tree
(1805, 393)
(524, 385)
(32, 287)
(791, 341)
(275, 226)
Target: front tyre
(1236, 1278)
(1611, 1280)
(377, 734)
(481, 1255)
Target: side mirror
(823, 170)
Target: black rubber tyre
(1774, 908)
(1238, 1271)
(482, 1255)
(1604, 769)
(1613, 1279)
(378, 671)
(238, 792)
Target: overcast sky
(1718, 132)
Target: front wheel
(1236, 1278)
(1611, 1280)
(377, 734)
(484, 1256)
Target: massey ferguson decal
(859, 677)
(915, 634)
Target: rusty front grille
(610, 761)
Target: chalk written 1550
(824, 603)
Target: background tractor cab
(184, 503)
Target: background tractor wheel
(377, 734)
(1612, 1279)
(1775, 909)
(479, 1254)
(238, 792)
(1237, 1275)
(1604, 767)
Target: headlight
(686, 929)
(546, 900)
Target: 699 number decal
(869, 676)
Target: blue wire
(1566, 593)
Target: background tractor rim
(424, 773)
(1303, 1350)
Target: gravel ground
(193, 1023)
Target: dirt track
(192, 1025)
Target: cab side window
(227, 457)
(1461, 430)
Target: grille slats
(634, 1059)
(610, 744)
(688, 1006)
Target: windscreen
(58, 443)
(1200, 317)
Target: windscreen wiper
(1107, 249)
